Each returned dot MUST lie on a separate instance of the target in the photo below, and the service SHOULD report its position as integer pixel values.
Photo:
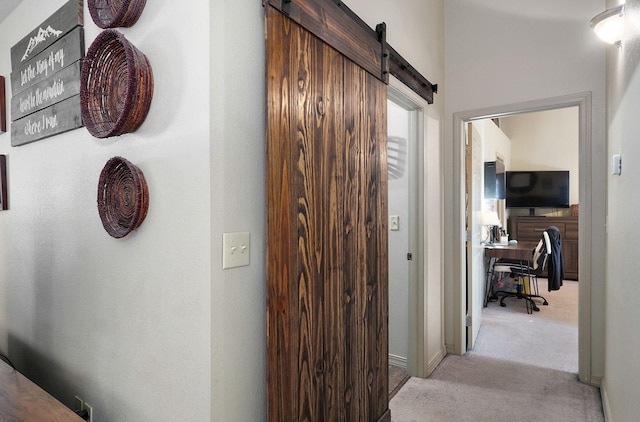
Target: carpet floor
(523, 367)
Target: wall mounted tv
(537, 189)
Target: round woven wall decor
(116, 86)
(123, 197)
(115, 13)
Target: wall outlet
(80, 405)
(89, 409)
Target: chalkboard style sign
(45, 77)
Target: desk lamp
(491, 220)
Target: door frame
(426, 348)
(583, 102)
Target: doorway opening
(583, 102)
(416, 322)
(546, 144)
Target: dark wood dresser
(525, 229)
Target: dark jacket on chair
(555, 263)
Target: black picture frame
(4, 201)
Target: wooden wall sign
(56, 26)
(67, 50)
(53, 120)
(45, 77)
(3, 106)
(61, 86)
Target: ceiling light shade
(608, 24)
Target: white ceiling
(6, 7)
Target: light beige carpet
(523, 367)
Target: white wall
(238, 203)
(495, 143)
(622, 368)
(123, 323)
(507, 52)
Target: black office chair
(525, 275)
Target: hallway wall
(509, 52)
(122, 323)
(622, 342)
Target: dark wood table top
(22, 400)
(519, 251)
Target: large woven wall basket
(116, 86)
(115, 13)
(123, 197)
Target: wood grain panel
(327, 242)
(331, 124)
(353, 232)
(281, 254)
(329, 22)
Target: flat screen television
(537, 189)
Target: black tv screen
(537, 189)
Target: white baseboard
(605, 401)
(397, 361)
(435, 361)
(596, 381)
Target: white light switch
(394, 222)
(616, 164)
(235, 249)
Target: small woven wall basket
(123, 197)
(116, 86)
(115, 13)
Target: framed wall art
(4, 202)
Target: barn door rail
(334, 23)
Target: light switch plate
(236, 249)
(616, 164)
(394, 222)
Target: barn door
(327, 298)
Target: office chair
(525, 275)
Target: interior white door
(475, 249)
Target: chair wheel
(535, 308)
(545, 303)
(504, 305)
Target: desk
(22, 400)
(521, 251)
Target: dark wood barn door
(327, 258)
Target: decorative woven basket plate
(115, 13)
(123, 197)
(116, 86)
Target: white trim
(606, 408)
(435, 361)
(583, 102)
(419, 363)
(399, 361)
